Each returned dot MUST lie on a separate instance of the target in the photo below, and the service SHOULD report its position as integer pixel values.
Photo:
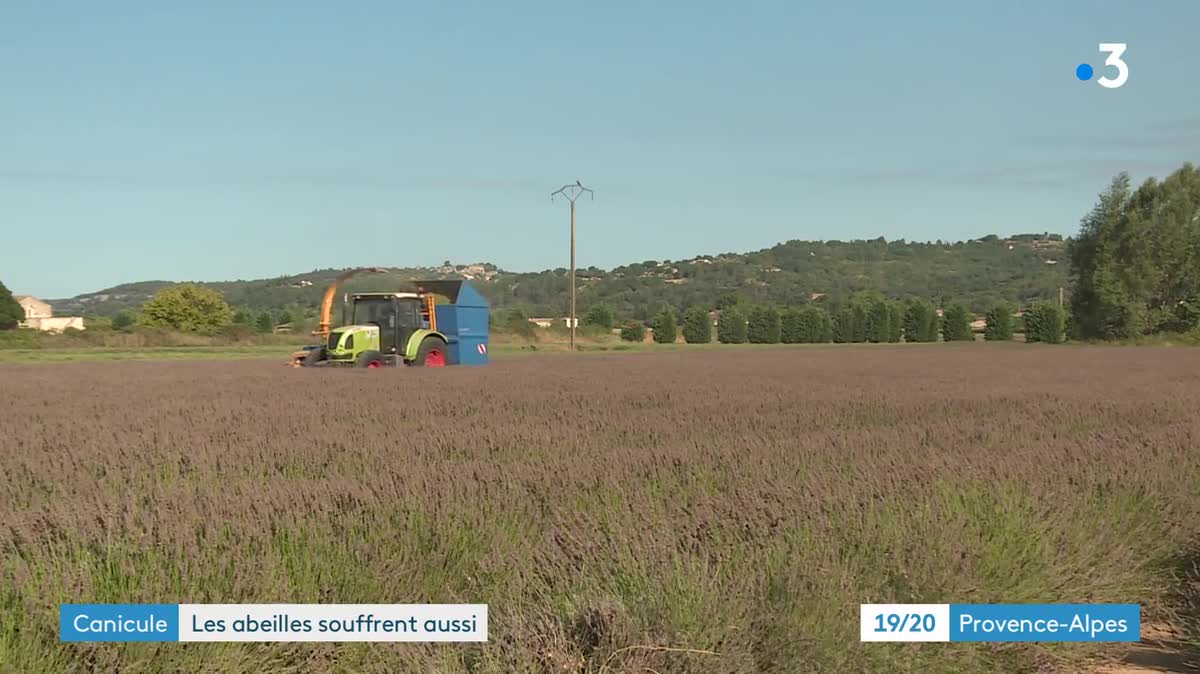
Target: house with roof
(40, 316)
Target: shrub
(920, 322)
(895, 322)
(861, 320)
(123, 320)
(1045, 322)
(237, 332)
(956, 324)
(601, 315)
(843, 326)
(11, 311)
(764, 325)
(731, 326)
(515, 323)
(665, 330)
(791, 326)
(697, 326)
(22, 339)
(96, 324)
(187, 307)
(877, 327)
(824, 322)
(810, 325)
(999, 324)
(633, 332)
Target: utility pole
(571, 193)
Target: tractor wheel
(369, 359)
(314, 358)
(432, 353)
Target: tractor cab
(396, 315)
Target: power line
(571, 193)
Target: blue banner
(273, 622)
(1045, 622)
(118, 622)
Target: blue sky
(220, 140)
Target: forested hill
(979, 272)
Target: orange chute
(327, 304)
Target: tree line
(981, 272)
(868, 317)
(191, 308)
(1134, 270)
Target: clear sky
(219, 140)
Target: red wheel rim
(435, 358)
(374, 364)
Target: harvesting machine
(401, 328)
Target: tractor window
(390, 315)
(378, 312)
(409, 314)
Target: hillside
(980, 272)
(299, 290)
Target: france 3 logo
(1115, 50)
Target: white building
(40, 316)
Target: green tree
(920, 321)
(187, 307)
(265, 322)
(1102, 303)
(600, 315)
(791, 326)
(1045, 322)
(809, 325)
(1136, 260)
(878, 316)
(11, 311)
(956, 324)
(895, 322)
(123, 320)
(860, 310)
(999, 323)
(820, 325)
(844, 329)
(731, 326)
(697, 326)
(664, 326)
(243, 317)
(284, 317)
(764, 325)
(633, 331)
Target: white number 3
(1114, 51)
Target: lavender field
(708, 511)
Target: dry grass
(619, 513)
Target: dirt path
(1159, 651)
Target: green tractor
(402, 328)
(385, 329)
